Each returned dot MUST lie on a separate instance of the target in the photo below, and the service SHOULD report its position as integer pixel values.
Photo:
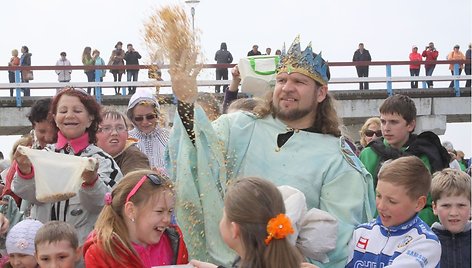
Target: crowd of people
(223, 56)
(89, 58)
(271, 182)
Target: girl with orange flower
(255, 226)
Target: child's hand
(200, 264)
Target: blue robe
(240, 144)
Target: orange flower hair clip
(278, 227)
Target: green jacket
(371, 160)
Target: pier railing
(388, 79)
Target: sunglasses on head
(370, 133)
(148, 117)
(152, 177)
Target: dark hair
(401, 105)
(118, 43)
(129, 45)
(63, 53)
(25, 48)
(92, 106)
(251, 202)
(39, 111)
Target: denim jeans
(414, 72)
(452, 82)
(132, 74)
(429, 72)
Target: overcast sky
(387, 28)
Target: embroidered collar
(77, 145)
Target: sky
(388, 30)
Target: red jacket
(96, 257)
(415, 56)
(430, 55)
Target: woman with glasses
(76, 115)
(135, 228)
(370, 131)
(112, 137)
(143, 111)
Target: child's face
(57, 255)
(154, 217)
(453, 212)
(394, 205)
(395, 129)
(18, 260)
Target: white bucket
(57, 176)
(258, 74)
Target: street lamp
(192, 4)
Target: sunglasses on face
(152, 177)
(148, 117)
(370, 133)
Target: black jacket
(132, 58)
(455, 248)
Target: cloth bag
(315, 230)
(258, 74)
(57, 176)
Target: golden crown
(304, 62)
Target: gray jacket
(81, 211)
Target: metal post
(456, 82)
(389, 82)
(18, 90)
(192, 11)
(98, 90)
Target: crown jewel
(304, 62)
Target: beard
(292, 114)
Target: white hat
(142, 94)
(20, 238)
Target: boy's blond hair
(409, 172)
(56, 231)
(450, 182)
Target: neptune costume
(242, 144)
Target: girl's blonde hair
(251, 202)
(110, 231)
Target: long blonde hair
(110, 231)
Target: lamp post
(192, 4)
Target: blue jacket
(411, 244)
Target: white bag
(258, 74)
(57, 176)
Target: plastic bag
(258, 74)
(57, 176)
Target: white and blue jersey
(409, 245)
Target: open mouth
(114, 141)
(160, 229)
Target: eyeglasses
(148, 117)
(370, 133)
(152, 177)
(109, 129)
